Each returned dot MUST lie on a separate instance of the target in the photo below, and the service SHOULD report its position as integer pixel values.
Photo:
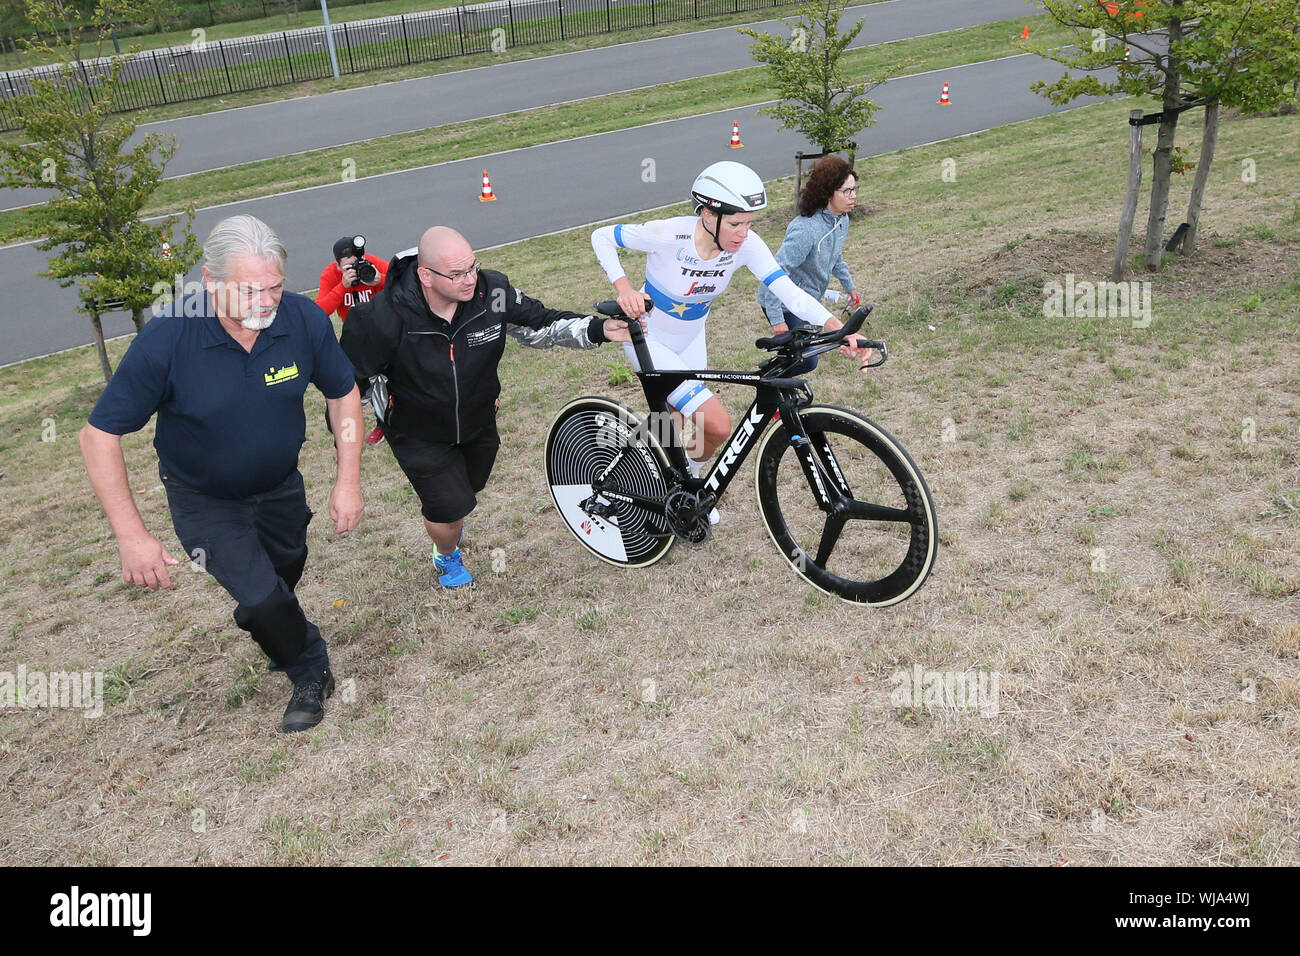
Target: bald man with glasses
(437, 332)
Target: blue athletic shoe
(451, 572)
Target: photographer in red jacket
(352, 278)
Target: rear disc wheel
(595, 437)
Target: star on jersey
(679, 309)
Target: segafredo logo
(103, 909)
(737, 446)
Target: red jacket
(333, 297)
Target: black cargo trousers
(256, 548)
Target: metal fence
(182, 15)
(223, 67)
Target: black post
(406, 41)
(347, 38)
(559, 4)
(230, 84)
(288, 57)
(161, 88)
(510, 13)
(608, 27)
(460, 28)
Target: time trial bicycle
(843, 502)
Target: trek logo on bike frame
(738, 445)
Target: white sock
(696, 467)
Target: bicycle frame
(777, 399)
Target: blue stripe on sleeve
(686, 399)
(618, 237)
(768, 280)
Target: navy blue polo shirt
(230, 422)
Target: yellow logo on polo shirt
(286, 374)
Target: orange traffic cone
(1024, 34)
(486, 195)
(943, 97)
(735, 137)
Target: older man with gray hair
(226, 376)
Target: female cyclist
(689, 263)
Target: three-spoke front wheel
(598, 438)
(877, 543)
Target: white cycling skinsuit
(683, 286)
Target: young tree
(1184, 53)
(162, 14)
(817, 98)
(77, 147)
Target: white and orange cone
(735, 136)
(487, 195)
(943, 97)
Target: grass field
(302, 19)
(1119, 511)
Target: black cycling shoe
(307, 705)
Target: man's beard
(258, 325)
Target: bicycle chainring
(687, 517)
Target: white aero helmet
(728, 187)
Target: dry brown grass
(1148, 708)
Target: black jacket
(442, 376)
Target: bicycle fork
(818, 462)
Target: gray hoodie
(810, 255)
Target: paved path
(545, 188)
(230, 137)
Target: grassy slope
(1148, 711)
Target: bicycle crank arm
(652, 505)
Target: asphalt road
(229, 137)
(543, 189)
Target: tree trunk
(1209, 140)
(1129, 211)
(99, 345)
(1162, 162)
(1161, 172)
(137, 316)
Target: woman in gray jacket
(814, 242)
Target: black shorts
(445, 477)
